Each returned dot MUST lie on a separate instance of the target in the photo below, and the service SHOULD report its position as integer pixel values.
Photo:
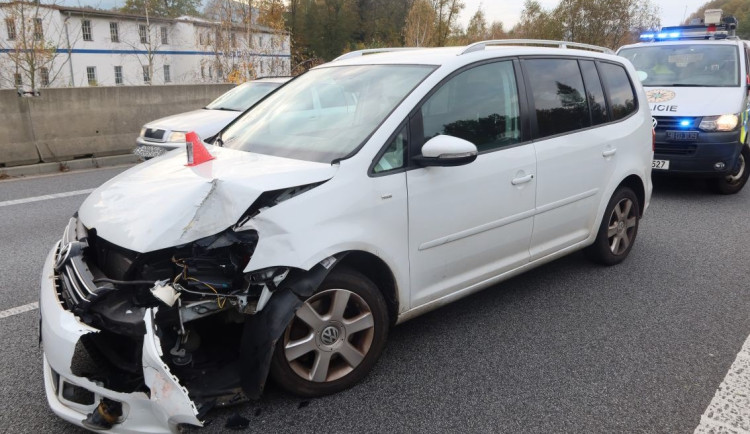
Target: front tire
(618, 229)
(334, 339)
(733, 183)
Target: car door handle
(609, 152)
(522, 180)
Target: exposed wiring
(220, 301)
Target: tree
(381, 22)
(608, 23)
(162, 8)
(31, 56)
(496, 31)
(420, 25)
(477, 28)
(244, 38)
(740, 9)
(146, 43)
(447, 18)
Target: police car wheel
(618, 229)
(734, 182)
(335, 337)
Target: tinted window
(557, 87)
(594, 92)
(479, 105)
(621, 97)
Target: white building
(87, 47)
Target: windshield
(326, 113)
(243, 96)
(710, 65)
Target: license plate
(148, 151)
(682, 135)
(660, 164)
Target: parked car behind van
(165, 134)
(364, 193)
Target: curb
(65, 166)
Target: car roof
(455, 56)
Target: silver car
(165, 134)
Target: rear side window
(558, 92)
(619, 89)
(594, 92)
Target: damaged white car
(361, 194)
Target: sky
(507, 11)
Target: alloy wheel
(621, 228)
(329, 336)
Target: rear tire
(335, 337)
(732, 184)
(618, 229)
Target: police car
(696, 80)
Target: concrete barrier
(68, 123)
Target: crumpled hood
(162, 203)
(203, 121)
(694, 101)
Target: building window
(200, 39)
(143, 33)
(167, 76)
(18, 79)
(91, 75)
(146, 74)
(10, 25)
(114, 32)
(118, 74)
(38, 31)
(44, 75)
(203, 71)
(164, 38)
(210, 72)
(86, 30)
(233, 39)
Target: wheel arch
(635, 183)
(375, 269)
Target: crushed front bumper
(160, 409)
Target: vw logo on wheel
(654, 122)
(330, 335)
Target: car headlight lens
(177, 137)
(719, 123)
(143, 132)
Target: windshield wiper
(226, 109)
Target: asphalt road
(569, 347)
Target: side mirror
(446, 151)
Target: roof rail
(358, 53)
(481, 45)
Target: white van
(419, 178)
(697, 83)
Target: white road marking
(19, 309)
(729, 410)
(45, 197)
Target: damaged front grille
(75, 279)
